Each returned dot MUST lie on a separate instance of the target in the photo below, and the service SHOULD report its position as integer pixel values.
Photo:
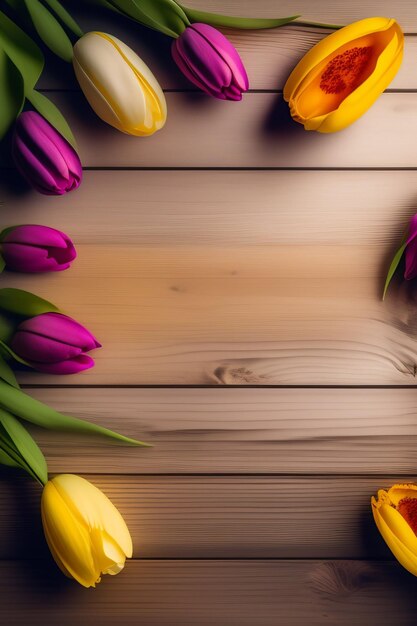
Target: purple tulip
(411, 251)
(210, 61)
(44, 157)
(32, 248)
(54, 343)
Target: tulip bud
(395, 515)
(54, 343)
(43, 157)
(85, 532)
(32, 248)
(342, 76)
(210, 61)
(119, 86)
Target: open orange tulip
(342, 76)
(395, 514)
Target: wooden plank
(335, 12)
(257, 132)
(223, 430)
(214, 593)
(218, 517)
(156, 209)
(210, 288)
(230, 208)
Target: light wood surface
(229, 431)
(190, 517)
(256, 132)
(204, 249)
(232, 249)
(335, 12)
(225, 593)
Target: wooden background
(232, 266)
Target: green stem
(17, 458)
(24, 406)
(317, 24)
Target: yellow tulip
(85, 532)
(119, 86)
(395, 514)
(340, 78)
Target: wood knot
(237, 375)
(341, 578)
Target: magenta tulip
(44, 157)
(411, 251)
(210, 61)
(32, 248)
(54, 343)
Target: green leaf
(9, 448)
(7, 374)
(8, 324)
(24, 303)
(31, 410)
(164, 15)
(14, 4)
(49, 30)
(6, 459)
(22, 50)
(25, 445)
(50, 112)
(12, 95)
(107, 4)
(394, 264)
(6, 231)
(65, 17)
(2, 264)
(9, 352)
(243, 23)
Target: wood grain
(218, 517)
(186, 287)
(335, 12)
(257, 132)
(226, 430)
(214, 593)
(175, 209)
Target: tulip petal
(227, 51)
(362, 78)
(30, 259)
(407, 559)
(67, 537)
(70, 366)
(332, 42)
(411, 250)
(118, 85)
(33, 234)
(61, 328)
(203, 60)
(33, 347)
(93, 508)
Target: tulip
(54, 343)
(395, 514)
(411, 251)
(341, 77)
(85, 532)
(409, 247)
(33, 248)
(44, 157)
(119, 86)
(210, 61)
